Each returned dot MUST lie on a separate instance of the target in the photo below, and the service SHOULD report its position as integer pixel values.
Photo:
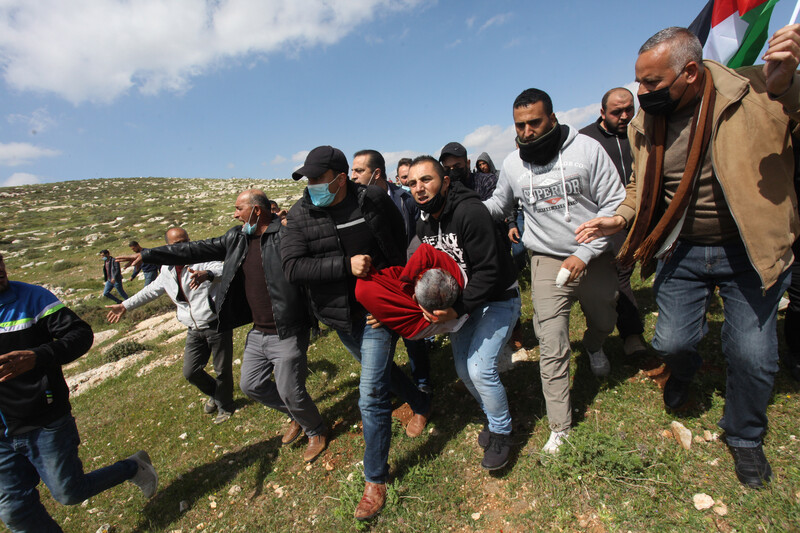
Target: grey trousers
(268, 356)
(200, 345)
(596, 291)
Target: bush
(124, 349)
(63, 265)
(588, 454)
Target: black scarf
(542, 150)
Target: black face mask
(435, 204)
(542, 150)
(660, 102)
(457, 174)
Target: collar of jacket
(605, 132)
(730, 87)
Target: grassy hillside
(621, 471)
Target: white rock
(476, 516)
(681, 434)
(182, 436)
(234, 490)
(183, 506)
(721, 509)
(702, 501)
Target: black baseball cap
(454, 149)
(321, 159)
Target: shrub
(124, 349)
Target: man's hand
(575, 267)
(115, 313)
(197, 278)
(372, 321)
(360, 265)
(782, 58)
(513, 235)
(130, 260)
(12, 364)
(599, 227)
(439, 316)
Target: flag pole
(795, 13)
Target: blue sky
(244, 88)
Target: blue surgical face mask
(406, 188)
(250, 229)
(320, 195)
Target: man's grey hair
(437, 289)
(684, 46)
(257, 197)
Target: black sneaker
(752, 467)
(483, 438)
(495, 456)
(676, 393)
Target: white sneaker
(555, 441)
(599, 363)
(146, 477)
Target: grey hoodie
(485, 157)
(593, 189)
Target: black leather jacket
(313, 255)
(289, 303)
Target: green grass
(619, 472)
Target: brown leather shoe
(372, 501)
(417, 424)
(292, 432)
(316, 445)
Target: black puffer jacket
(466, 232)
(288, 301)
(313, 255)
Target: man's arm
(73, 338)
(479, 240)
(780, 70)
(501, 204)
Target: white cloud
(278, 160)
(13, 154)
(471, 21)
(96, 50)
(392, 158)
(20, 178)
(496, 20)
(495, 140)
(231, 166)
(38, 121)
(299, 157)
(579, 116)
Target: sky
(245, 88)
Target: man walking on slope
(712, 201)
(193, 289)
(611, 131)
(563, 178)
(338, 231)
(38, 436)
(254, 290)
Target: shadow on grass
(163, 509)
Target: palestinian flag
(733, 32)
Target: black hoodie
(466, 232)
(616, 146)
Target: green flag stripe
(755, 36)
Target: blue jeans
(51, 453)
(475, 349)
(114, 285)
(150, 277)
(683, 288)
(380, 377)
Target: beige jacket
(751, 151)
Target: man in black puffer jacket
(254, 289)
(338, 232)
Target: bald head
(176, 235)
(254, 197)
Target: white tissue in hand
(563, 276)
